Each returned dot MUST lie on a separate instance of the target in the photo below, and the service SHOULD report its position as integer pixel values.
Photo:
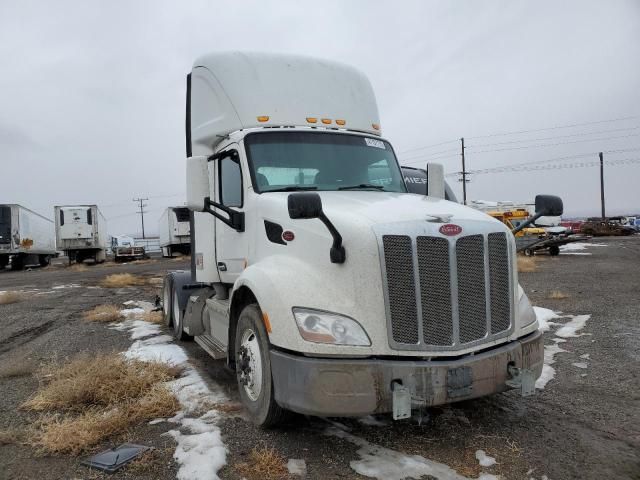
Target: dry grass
(22, 368)
(526, 264)
(118, 280)
(93, 398)
(558, 295)
(12, 436)
(78, 267)
(264, 463)
(10, 297)
(98, 380)
(153, 317)
(103, 313)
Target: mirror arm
(337, 252)
(528, 222)
(235, 220)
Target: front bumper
(357, 387)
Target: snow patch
(386, 464)
(297, 467)
(585, 356)
(579, 246)
(571, 328)
(484, 460)
(548, 372)
(580, 365)
(70, 285)
(372, 421)
(544, 315)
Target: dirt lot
(585, 424)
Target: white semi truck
(174, 231)
(81, 232)
(26, 238)
(326, 286)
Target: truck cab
(325, 284)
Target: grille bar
(499, 282)
(398, 259)
(435, 290)
(471, 288)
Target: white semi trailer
(174, 230)
(81, 232)
(26, 238)
(326, 286)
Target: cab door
(231, 243)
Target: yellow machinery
(513, 218)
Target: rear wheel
(554, 250)
(44, 260)
(167, 299)
(17, 262)
(253, 369)
(4, 261)
(178, 315)
(528, 252)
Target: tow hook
(401, 400)
(522, 379)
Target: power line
(554, 128)
(556, 144)
(428, 146)
(580, 134)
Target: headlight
(526, 314)
(325, 327)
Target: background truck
(328, 287)
(174, 230)
(124, 249)
(26, 238)
(81, 232)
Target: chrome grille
(499, 282)
(398, 259)
(435, 290)
(472, 304)
(446, 293)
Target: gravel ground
(585, 424)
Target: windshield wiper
(362, 185)
(292, 188)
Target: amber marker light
(326, 121)
(312, 120)
(267, 323)
(375, 126)
(341, 122)
(263, 118)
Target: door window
(230, 182)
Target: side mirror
(549, 205)
(309, 205)
(304, 205)
(197, 183)
(435, 180)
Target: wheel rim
(250, 365)
(176, 313)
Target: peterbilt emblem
(450, 229)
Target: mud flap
(522, 379)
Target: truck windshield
(288, 161)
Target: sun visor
(233, 91)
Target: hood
(373, 208)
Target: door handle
(222, 266)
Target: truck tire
(17, 262)
(167, 300)
(528, 252)
(44, 260)
(554, 250)
(178, 316)
(4, 261)
(253, 369)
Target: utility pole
(602, 184)
(142, 212)
(464, 175)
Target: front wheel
(554, 250)
(253, 369)
(178, 324)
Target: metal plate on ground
(112, 460)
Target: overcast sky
(92, 92)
